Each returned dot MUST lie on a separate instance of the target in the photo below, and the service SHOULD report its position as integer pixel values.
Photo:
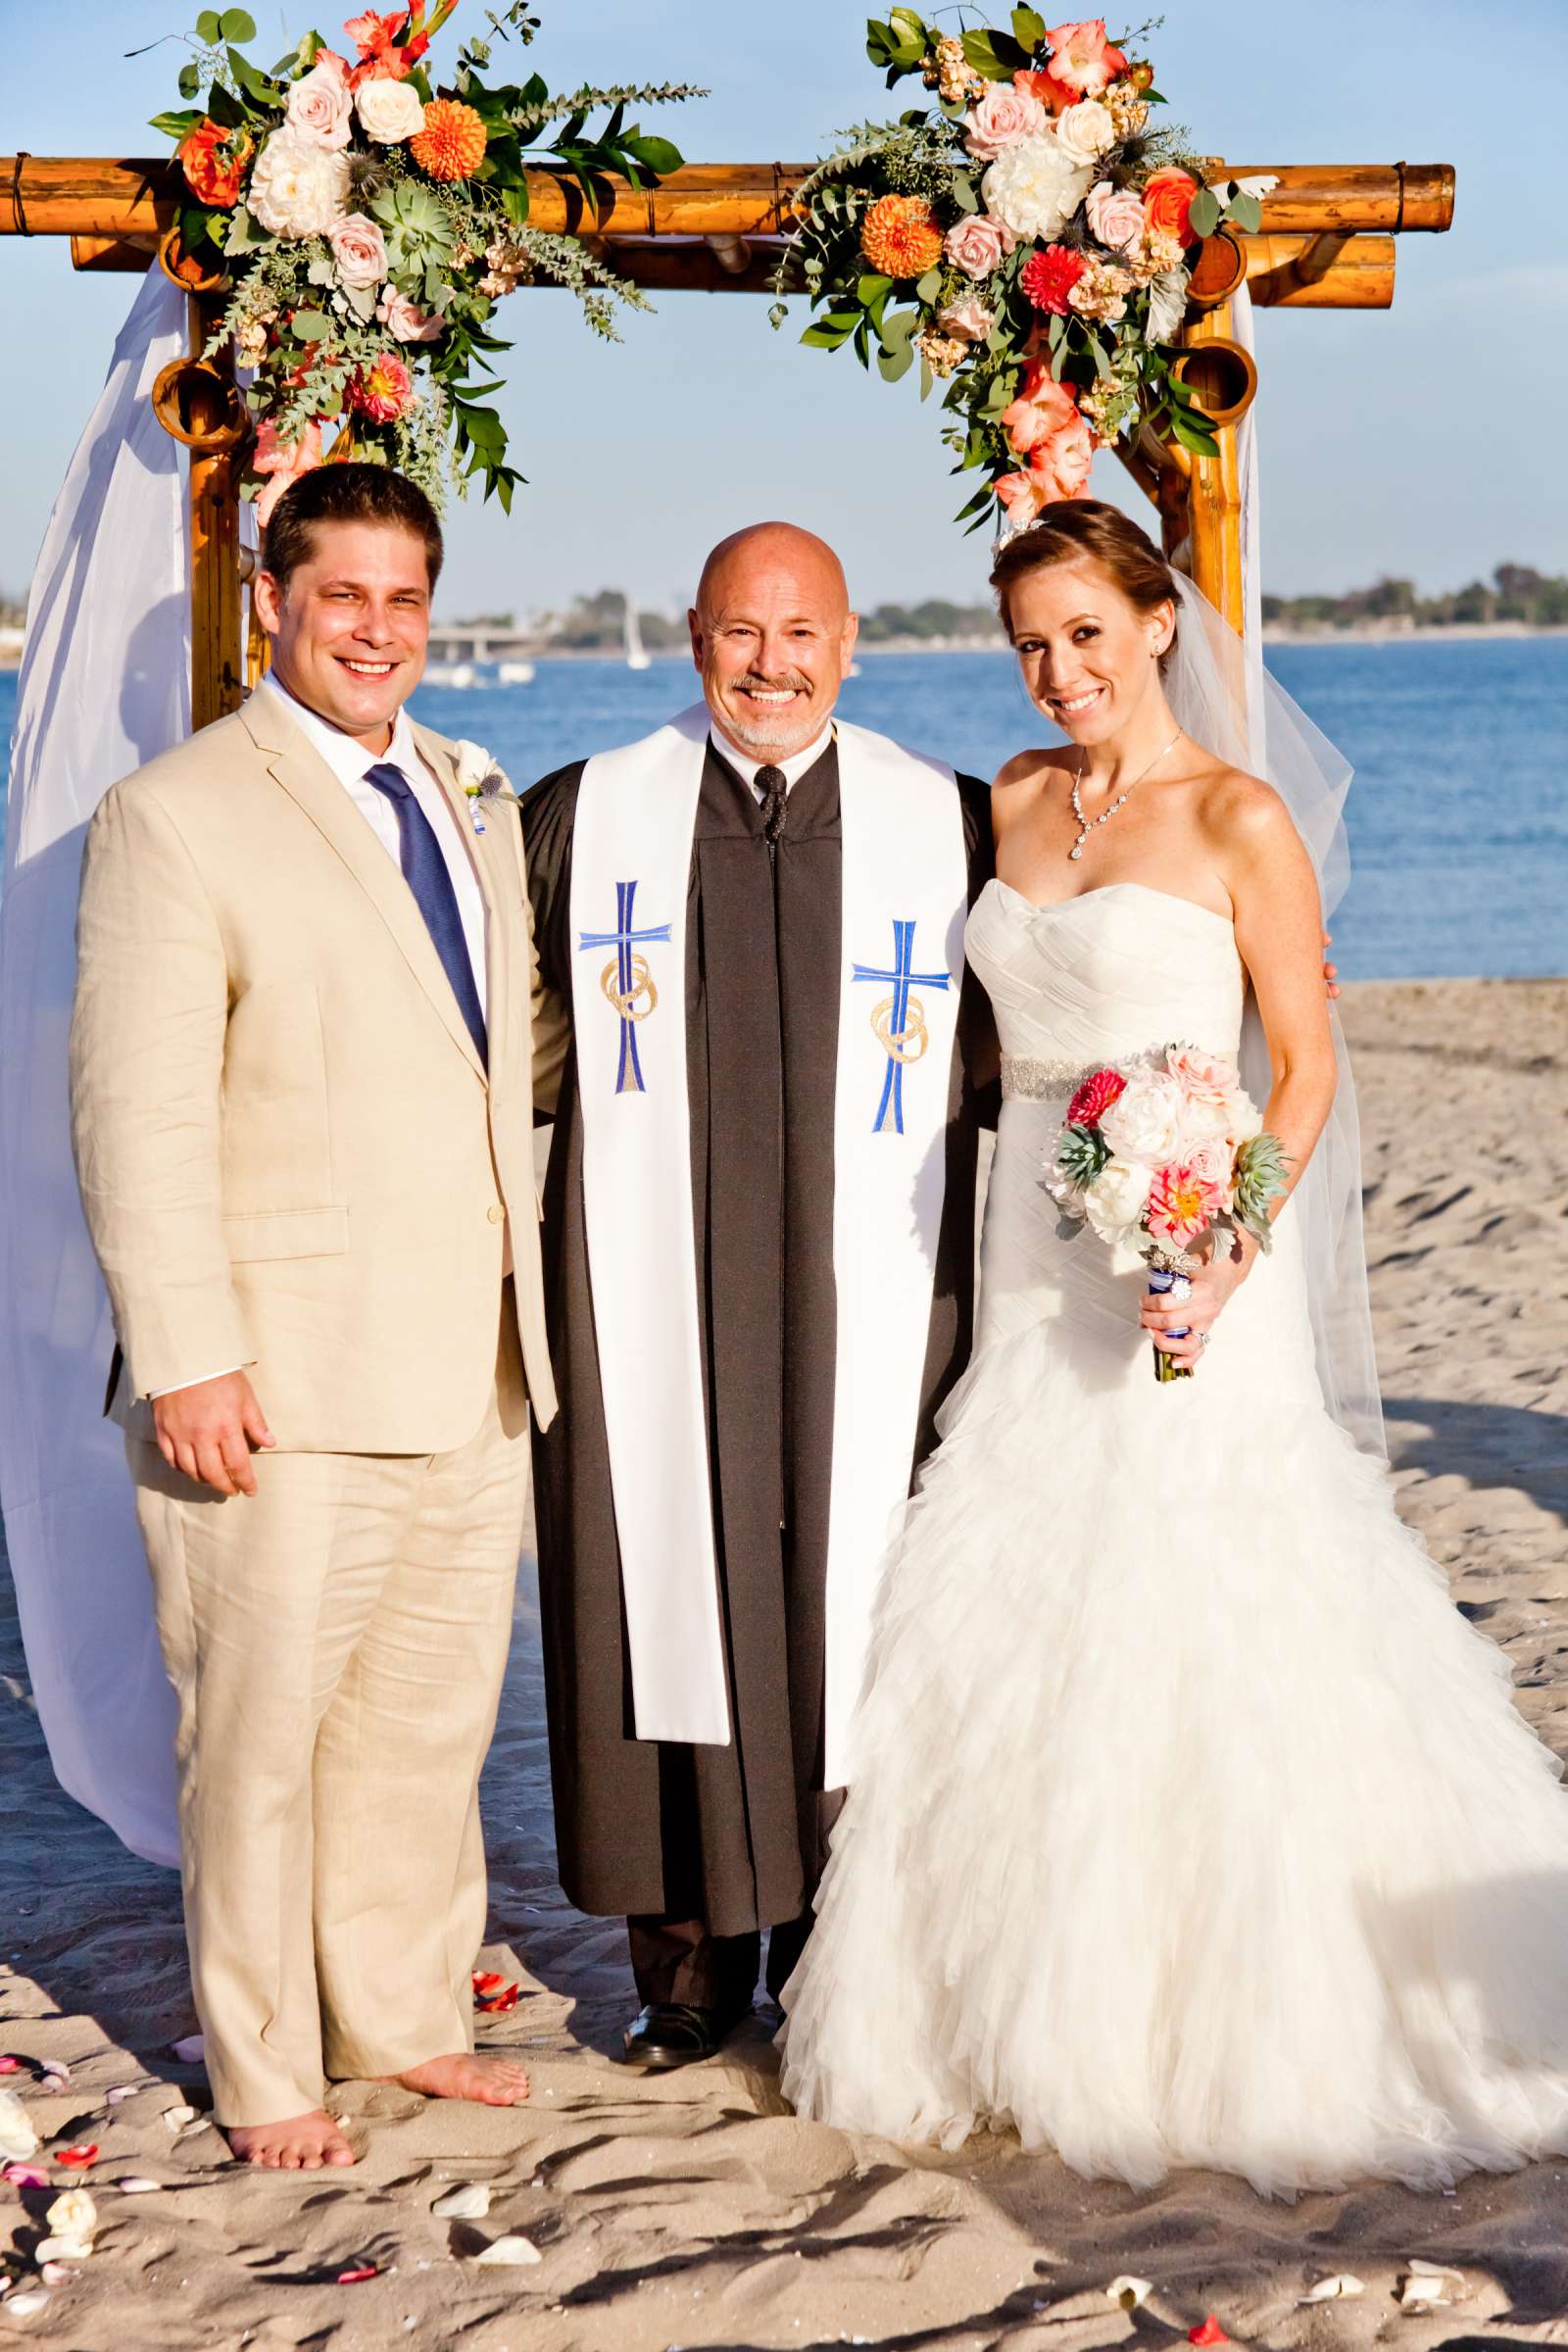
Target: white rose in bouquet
(1146, 1122)
(1085, 130)
(389, 111)
(1036, 187)
(1115, 1201)
(297, 189)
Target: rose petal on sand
(191, 2051)
(358, 2277)
(62, 2249)
(509, 2252)
(26, 2176)
(1129, 2292)
(79, 2156)
(469, 2203)
(1209, 2332)
(72, 2214)
(200, 2123)
(120, 2091)
(176, 2117)
(25, 2306)
(9, 2066)
(1427, 2284)
(17, 2135)
(1343, 2283)
(56, 2070)
(133, 2186)
(54, 2274)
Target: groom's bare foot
(489, 2081)
(301, 2145)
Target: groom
(759, 1245)
(300, 1076)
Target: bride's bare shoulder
(1247, 822)
(1026, 768)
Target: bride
(1190, 1822)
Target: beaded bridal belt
(1026, 1079)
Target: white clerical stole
(904, 900)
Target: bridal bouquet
(1160, 1149)
(1029, 235)
(362, 222)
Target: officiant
(758, 1235)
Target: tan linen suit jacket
(291, 1156)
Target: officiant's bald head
(772, 634)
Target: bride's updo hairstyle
(1086, 530)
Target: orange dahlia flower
(900, 237)
(452, 143)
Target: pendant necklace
(1087, 824)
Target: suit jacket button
(495, 1213)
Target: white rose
(389, 111)
(1146, 1122)
(1168, 306)
(1117, 1199)
(1085, 130)
(298, 190)
(1036, 187)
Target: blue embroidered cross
(899, 1022)
(625, 979)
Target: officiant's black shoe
(670, 2033)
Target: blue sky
(1417, 441)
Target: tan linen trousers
(336, 1644)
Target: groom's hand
(209, 1430)
(1331, 971)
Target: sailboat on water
(637, 654)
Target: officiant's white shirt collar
(748, 766)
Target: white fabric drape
(1242, 712)
(104, 685)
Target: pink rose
(1210, 1090)
(969, 319)
(1214, 1164)
(284, 461)
(977, 243)
(359, 250)
(1000, 119)
(1115, 215)
(1042, 408)
(403, 320)
(320, 108)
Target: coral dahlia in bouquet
(1036, 190)
(361, 224)
(1160, 1151)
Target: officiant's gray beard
(785, 731)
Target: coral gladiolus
(451, 144)
(284, 461)
(901, 236)
(1083, 58)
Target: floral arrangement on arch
(366, 222)
(1028, 238)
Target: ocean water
(1458, 815)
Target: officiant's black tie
(770, 784)
(424, 870)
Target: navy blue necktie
(424, 870)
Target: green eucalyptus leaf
(1203, 212)
(1246, 214)
(928, 287)
(895, 362)
(900, 329)
(965, 195)
(209, 27)
(190, 80)
(310, 326)
(237, 26)
(1029, 27)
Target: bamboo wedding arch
(1327, 241)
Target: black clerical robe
(730, 1836)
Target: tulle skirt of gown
(1190, 1824)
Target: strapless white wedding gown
(1190, 1822)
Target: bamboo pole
(1331, 273)
(215, 677)
(122, 196)
(1209, 551)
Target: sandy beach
(692, 2210)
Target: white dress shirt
(748, 766)
(350, 763)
